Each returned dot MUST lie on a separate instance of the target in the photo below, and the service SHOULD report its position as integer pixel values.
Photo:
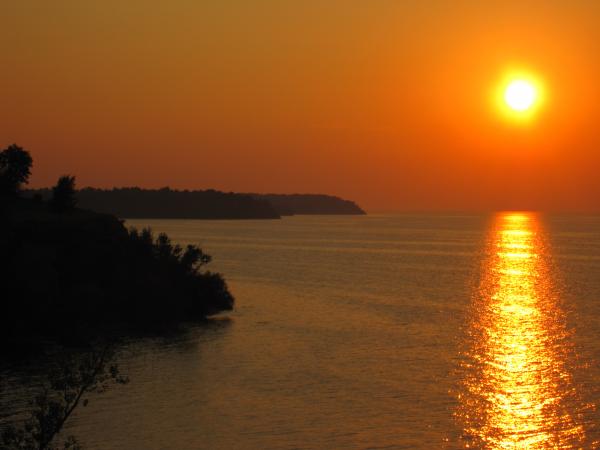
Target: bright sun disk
(520, 95)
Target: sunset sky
(389, 103)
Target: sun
(520, 95)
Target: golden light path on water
(518, 389)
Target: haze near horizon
(391, 104)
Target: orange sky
(384, 102)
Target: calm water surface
(403, 331)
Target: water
(399, 331)
(519, 383)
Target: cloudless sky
(383, 102)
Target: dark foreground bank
(79, 273)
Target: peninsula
(166, 203)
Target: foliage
(63, 195)
(164, 203)
(174, 272)
(74, 277)
(67, 387)
(15, 169)
(190, 260)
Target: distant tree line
(136, 203)
(310, 204)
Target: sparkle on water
(518, 390)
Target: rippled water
(519, 388)
(404, 331)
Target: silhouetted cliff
(290, 204)
(134, 203)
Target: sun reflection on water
(518, 389)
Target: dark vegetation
(72, 274)
(15, 169)
(291, 204)
(68, 385)
(63, 195)
(132, 203)
(136, 203)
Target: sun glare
(519, 96)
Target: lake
(379, 331)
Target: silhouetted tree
(37, 198)
(15, 169)
(63, 195)
(66, 388)
(194, 258)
